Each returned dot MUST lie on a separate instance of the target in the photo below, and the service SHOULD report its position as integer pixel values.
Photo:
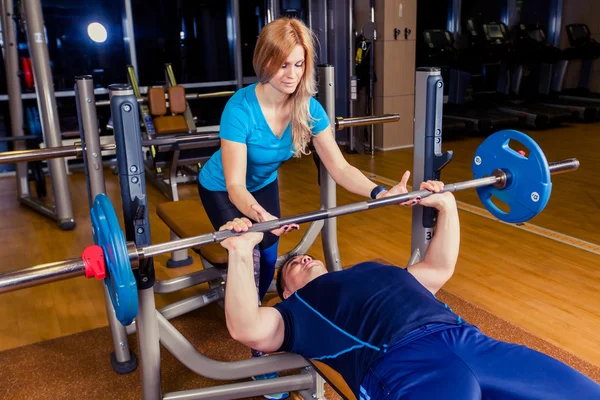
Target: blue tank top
(243, 121)
(351, 318)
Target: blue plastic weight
(119, 276)
(528, 187)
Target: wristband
(376, 190)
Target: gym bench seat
(167, 124)
(187, 218)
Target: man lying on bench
(382, 328)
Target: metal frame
(62, 211)
(555, 22)
(13, 84)
(428, 159)
(328, 185)
(237, 40)
(90, 142)
(153, 327)
(309, 383)
(453, 23)
(129, 34)
(508, 15)
(272, 10)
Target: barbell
(76, 150)
(520, 180)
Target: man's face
(299, 271)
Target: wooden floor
(546, 287)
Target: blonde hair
(275, 43)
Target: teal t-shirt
(242, 121)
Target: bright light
(97, 32)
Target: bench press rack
(152, 325)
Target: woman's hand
(263, 216)
(400, 188)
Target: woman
(266, 124)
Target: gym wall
(585, 12)
(394, 67)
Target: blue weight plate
(529, 186)
(119, 276)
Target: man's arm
(260, 328)
(440, 259)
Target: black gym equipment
(547, 66)
(496, 44)
(586, 49)
(458, 67)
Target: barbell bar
(69, 268)
(188, 96)
(10, 157)
(500, 180)
(342, 123)
(523, 182)
(73, 267)
(76, 150)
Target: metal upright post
(328, 186)
(428, 159)
(353, 95)
(132, 180)
(122, 360)
(272, 10)
(372, 79)
(129, 38)
(237, 36)
(44, 84)
(13, 83)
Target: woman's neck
(271, 97)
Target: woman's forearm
(243, 200)
(354, 181)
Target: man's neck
(270, 97)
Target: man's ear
(286, 294)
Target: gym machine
(62, 211)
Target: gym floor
(545, 285)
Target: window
(194, 36)
(75, 48)
(254, 19)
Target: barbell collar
(134, 255)
(342, 123)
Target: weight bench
(175, 145)
(187, 218)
